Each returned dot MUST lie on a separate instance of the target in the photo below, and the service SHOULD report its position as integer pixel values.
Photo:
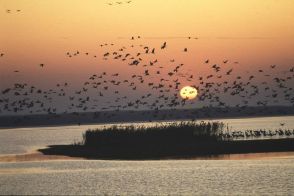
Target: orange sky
(254, 33)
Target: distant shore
(104, 117)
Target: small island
(173, 141)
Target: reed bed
(174, 140)
(174, 132)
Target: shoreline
(34, 156)
(141, 122)
(39, 157)
(255, 151)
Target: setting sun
(188, 92)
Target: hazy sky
(253, 32)
(256, 33)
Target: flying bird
(163, 46)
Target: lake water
(21, 140)
(210, 177)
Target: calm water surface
(209, 177)
(21, 140)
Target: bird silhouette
(163, 45)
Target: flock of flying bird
(156, 87)
(220, 89)
(109, 3)
(12, 11)
(119, 2)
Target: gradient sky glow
(250, 31)
(256, 33)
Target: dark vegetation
(175, 140)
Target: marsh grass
(185, 131)
(173, 140)
(173, 132)
(155, 141)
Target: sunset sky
(254, 33)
